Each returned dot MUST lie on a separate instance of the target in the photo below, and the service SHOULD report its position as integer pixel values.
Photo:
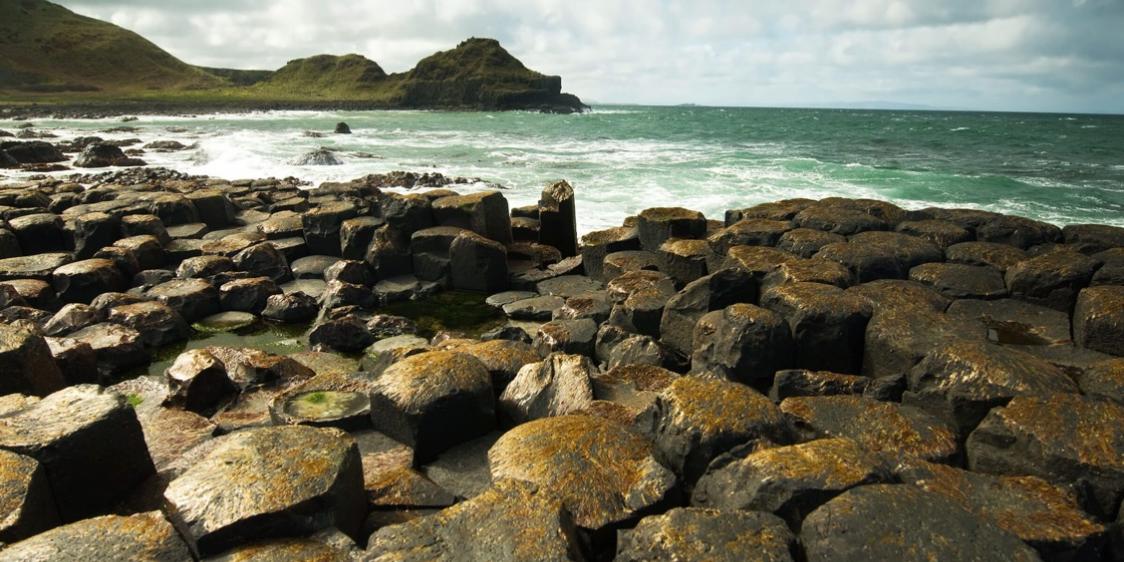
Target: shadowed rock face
(25, 498)
(707, 534)
(898, 522)
(693, 420)
(1042, 515)
(414, 399)
(269, 482)
(605, 473)
(26, 365)
(877, 426)
(963, 381)
(88, 441)
(509, 522)
(1062, 438)
(146, 536)
(790, 481)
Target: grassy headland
(55, 60)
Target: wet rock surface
(940, 383)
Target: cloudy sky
(1037, 55)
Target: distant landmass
(50, 55)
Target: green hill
(325, 76)
(45, 47)
(52, 56)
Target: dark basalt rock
(749, 232)
(477, 264)
(342, 129)
(713, 292)
(604, 473)
(805, 242)
(877, 426)
(293, 307)
(322, 227)
(831, 218)
(338, 294)
(509, 522)
(71, 318)
(350, 271)
(263, 260)
(1052, 279)
(684, 260)
(1098, 319)
(414, 398)
(38, 266)
(266, 482)
(1017, 231)
(194, 299)
(941, 233)
(808, 271)
(1042, 515)
(319, 157)
(1014, 322)
(906, 523)
(118, 348)
(707, 534)
(333, 547)
(145, 536)
(757, 260)
(157, 323)
(89, 443)
(26, 496)
(694, 420)
(827, 323)
(101, 155)
(82, 281)
(312, 267)
(791, 481)
(618, 263)
(348, 334)
(247, 295)
(800, 382)
(962, 381)
(999, 256)
(1104, 379)
(1062, 438)
(558, 220)
(576, 337)
(137, 225)
(92, 231)
(40, 233)
(596, 245)
(742, 343)
(657, 225)
(76, 360)
(356, 234)
(881, 255)
(485, 213)
(558, 385)
(198, 381)
(959, 281)
(33, 152)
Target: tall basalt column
(558, 221)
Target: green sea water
(621, 159)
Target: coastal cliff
(52, 56)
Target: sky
(1008, 55)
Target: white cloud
(998, 54)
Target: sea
(1064, 169)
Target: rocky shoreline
(807, 380)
